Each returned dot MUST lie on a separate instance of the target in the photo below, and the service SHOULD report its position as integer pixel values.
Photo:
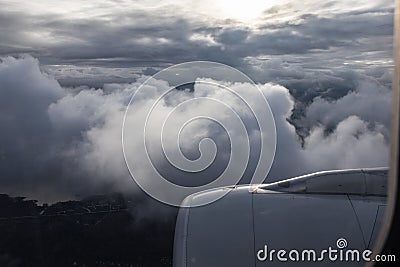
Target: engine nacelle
(250, 225)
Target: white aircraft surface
(251, 225)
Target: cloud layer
(356, 34)
(61, 142)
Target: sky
(69, 68)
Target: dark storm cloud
(42, 124)
(139, 37)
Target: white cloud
(67, 141)
(370, 101)
(351, 145)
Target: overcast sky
(69, 68)
(147, 33)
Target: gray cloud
(43, 123)
(364, 102)
(58, 142)
(140, 36)
(350, 144)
